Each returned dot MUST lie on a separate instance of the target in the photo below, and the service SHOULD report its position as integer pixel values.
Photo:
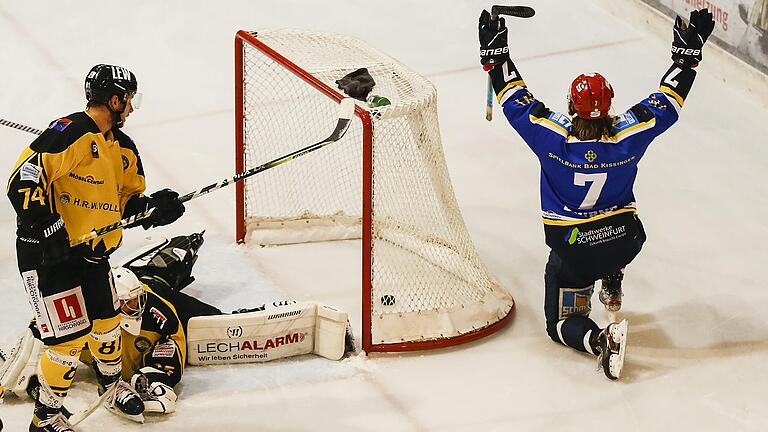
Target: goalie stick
(346, 111)
(496, 10)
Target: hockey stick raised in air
(496, 10)
(346, 111)
(22, 127)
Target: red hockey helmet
(591, 96)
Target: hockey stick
(496, 10)
(346, 111)
(85, 412)
(4, 122)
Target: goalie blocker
(276, 332)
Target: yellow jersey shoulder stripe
(640, 127)
(549, 124)
(508, 88)
(592, 219)
(669, 92)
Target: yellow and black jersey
(161, 330)
(162, 342)
(83, 175)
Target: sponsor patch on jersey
(575, 301)
(36, 301)
(560, 119)
(86, 179)
(30, 172)
(595, 236)
(60, 124)
(67, 312)
(142, 344)
(166, 350)
(158, 316)
(625, 121)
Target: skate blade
(138, 418)
(617, 360)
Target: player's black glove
(54, 240)
(493, 41)
(688, 40)
(167, 206)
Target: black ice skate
(47, 419)
(610, 291)
(124, 401)
(612, 346)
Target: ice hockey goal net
(385, 181)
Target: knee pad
(104, 343)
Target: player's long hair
(586, 130)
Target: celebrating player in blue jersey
(588, 168)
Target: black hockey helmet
(103, 81)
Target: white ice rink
(695, 298)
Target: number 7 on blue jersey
(593, 193)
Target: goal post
(385, 182)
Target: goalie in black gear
(155, 316)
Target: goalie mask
(133, 298)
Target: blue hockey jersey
(588, 180)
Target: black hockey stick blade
(515, 11)
(346, 112)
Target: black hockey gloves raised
(54, 240)
(493, 41)
(168, 208)
(688, 40)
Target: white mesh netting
(427, 280)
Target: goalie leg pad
(331, 333)
(20, 363)
(273, 333)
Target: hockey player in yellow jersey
(81, 173)
(158, 327)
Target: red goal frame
(244, 37)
